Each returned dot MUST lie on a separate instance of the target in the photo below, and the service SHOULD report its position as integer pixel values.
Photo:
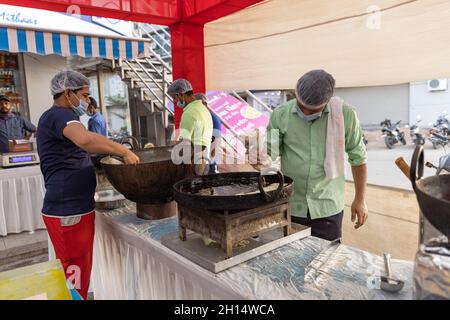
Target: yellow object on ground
(43, 281)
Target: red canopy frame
(185, 18)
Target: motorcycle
(392, 133)
(439, 140)
(440, 130)
(443, 123)
(124, 138)
(414, 131)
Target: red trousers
(73, 240)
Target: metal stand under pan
(213, 258)
(156, 211)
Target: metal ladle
(388, 283)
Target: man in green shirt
(297, 133)
(196, 125)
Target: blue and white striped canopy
(66, 44)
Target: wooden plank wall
(393, 224)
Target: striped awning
(66, 44)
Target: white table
(22, 193)
(131, 263)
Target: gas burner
(229, 228)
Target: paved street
(381, 164)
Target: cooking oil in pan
(440, 190)
(235, 189)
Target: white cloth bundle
(335, 146)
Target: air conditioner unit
(437, 85)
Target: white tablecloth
(22, 192)
(131, 263)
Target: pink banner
(238, 115)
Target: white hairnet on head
(68, 79)
(179, 86)
(315, 88)
(201, 96)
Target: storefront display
(12, 81)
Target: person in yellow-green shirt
(196, 126)
(298, 133)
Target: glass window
(12, 82)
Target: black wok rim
(180, 196)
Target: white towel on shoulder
(335, 145)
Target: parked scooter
(392, 133)
(442, 123)
(439, 140)
(414, 131)
(440, 131)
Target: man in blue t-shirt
(64, 146)
(97, 122)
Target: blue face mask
(181, 104)
(81, 109)
(310, 117)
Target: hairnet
(179, 86)
(315, 88)
(68, 79)
(201, 96)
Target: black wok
(433, 193)
(151, 181)
(186, 191)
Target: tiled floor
(2, 244)
(22, 239)
(22, 247)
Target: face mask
(81, 109)
(181, 103)
(310, 117)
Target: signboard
(13, 16)
(239, 116)
(122, 27)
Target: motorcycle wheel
(388, 142)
